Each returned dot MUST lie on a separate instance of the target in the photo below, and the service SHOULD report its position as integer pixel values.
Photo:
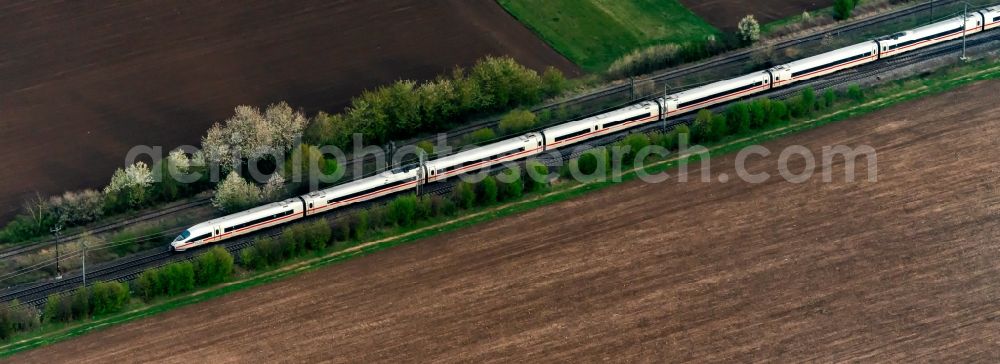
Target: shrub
(81, 303)
(108, 297)
(319, 235)
(426, 146)
(425, 208)
(778, 112)
(465, 195)
(645, 60)
(149, 284)
(516, 121)
(15, 318)
(749, 29)
(758, 112)
(512, 185)
(829, 98)
(702, 126)
(58, 308)
(250, 258)
(480, 136)
(213, 266)
(553, 82)
(635, 144)
(855, 93)
(291, 242)
(75, 208)
(488, 190)
(594, 160)
(719, 128)
(178, 277)
(808, 100)
(443, 206)
(361, 225)
(795, 109)
(739, 116)
(402, 210)
(842, 9)
(682, 132)
(540, 170)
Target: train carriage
(991, 17)
(930, 34)
(825, 63)
(388, 182)
(485, 156)
(702, 97)
(603, 124)
(240, 223)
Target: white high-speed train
(558, 136)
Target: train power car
(240, 223)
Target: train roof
(865, 47)
(929, 28)
(483, 151)
(628, 110)
(283, 203)
(716, 86)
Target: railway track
(129, 268)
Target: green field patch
(594, 33)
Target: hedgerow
(402, 109)
(100, 299)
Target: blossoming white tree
(235, 193)
(250, 134)
(129, 186)
(749, 29)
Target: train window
(996, 19)
(572, 135)
(310, 205)
(200, 237)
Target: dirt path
(80, 83)
(726, 14)
(895, 270)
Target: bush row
(294, 241)
(175, 278)
(99, 299)
(657, 57)
(404, 108)
(16, 318)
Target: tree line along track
(610, 92)
(129, 268)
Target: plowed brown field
(900, 269)
(82, 82)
